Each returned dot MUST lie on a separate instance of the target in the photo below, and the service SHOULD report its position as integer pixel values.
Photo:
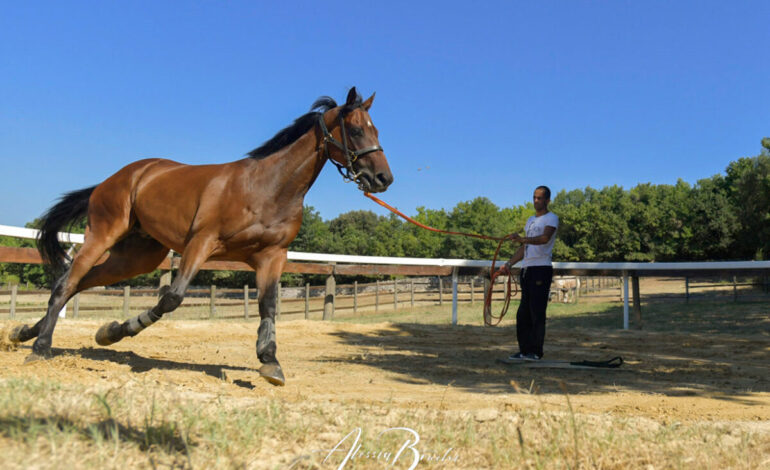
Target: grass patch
(46, 425)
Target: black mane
(301, 125)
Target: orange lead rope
(511, 286)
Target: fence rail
(331, 265)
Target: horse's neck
(294, 168)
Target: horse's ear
(368, 103)
(352, 95)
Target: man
(535, 278)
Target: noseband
(351, 155)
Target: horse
(248, 210)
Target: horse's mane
(300, 125)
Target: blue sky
(473, 98)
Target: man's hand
(504, 269)
(515, 237)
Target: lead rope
(511, 286)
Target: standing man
(535, 278)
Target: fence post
(395, 294)
(212, 301)
(687, 289)
(637, 302)
(164, 283)
(126, 300)
(486, 290)
(14, 290)
(355, 297)
(625, 300)
(377, 295)
(76, 305)
(472, 289)
(307, 301)
(246, 301)
(620, 287)
(331, 287)
(440, 291)
(454, 294)
(278, 303)
(411, 292)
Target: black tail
(71, 208)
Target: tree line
(724, 217)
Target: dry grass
(138, 421)
(138, 425)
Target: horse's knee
(169, 301)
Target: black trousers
(530, 318)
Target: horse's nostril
(383, 179)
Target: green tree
(314, 235)
(748, 184)
(713, 221)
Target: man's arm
(518, 256)
(538, 240)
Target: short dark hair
(547, 191)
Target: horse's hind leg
(269, 266)
(24, 333)
(129, 257)
(196, 253)
(63, 289)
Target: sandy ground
(667, 376)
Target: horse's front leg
(269, 267)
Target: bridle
(351, 155)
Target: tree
(314, 235)
(748, 186)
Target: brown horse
(248, 210)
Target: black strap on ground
(613, 363)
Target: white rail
(622, 268)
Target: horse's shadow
(138, 363)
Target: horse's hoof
(35, 357)
(19, 334)
(109, 333)
(272, 373)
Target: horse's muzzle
(375, 183)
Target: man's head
(541, 198)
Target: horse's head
(358, 154)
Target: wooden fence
(331, 265)
(357, 299)
(310, 302)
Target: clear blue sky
(473, 98)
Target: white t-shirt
(539, 255)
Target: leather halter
(351, 155)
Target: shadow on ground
(158, 436)
(679, 359)
(139, 363)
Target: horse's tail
(71, 208)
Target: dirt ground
(666, 376)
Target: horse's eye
(356, 132)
